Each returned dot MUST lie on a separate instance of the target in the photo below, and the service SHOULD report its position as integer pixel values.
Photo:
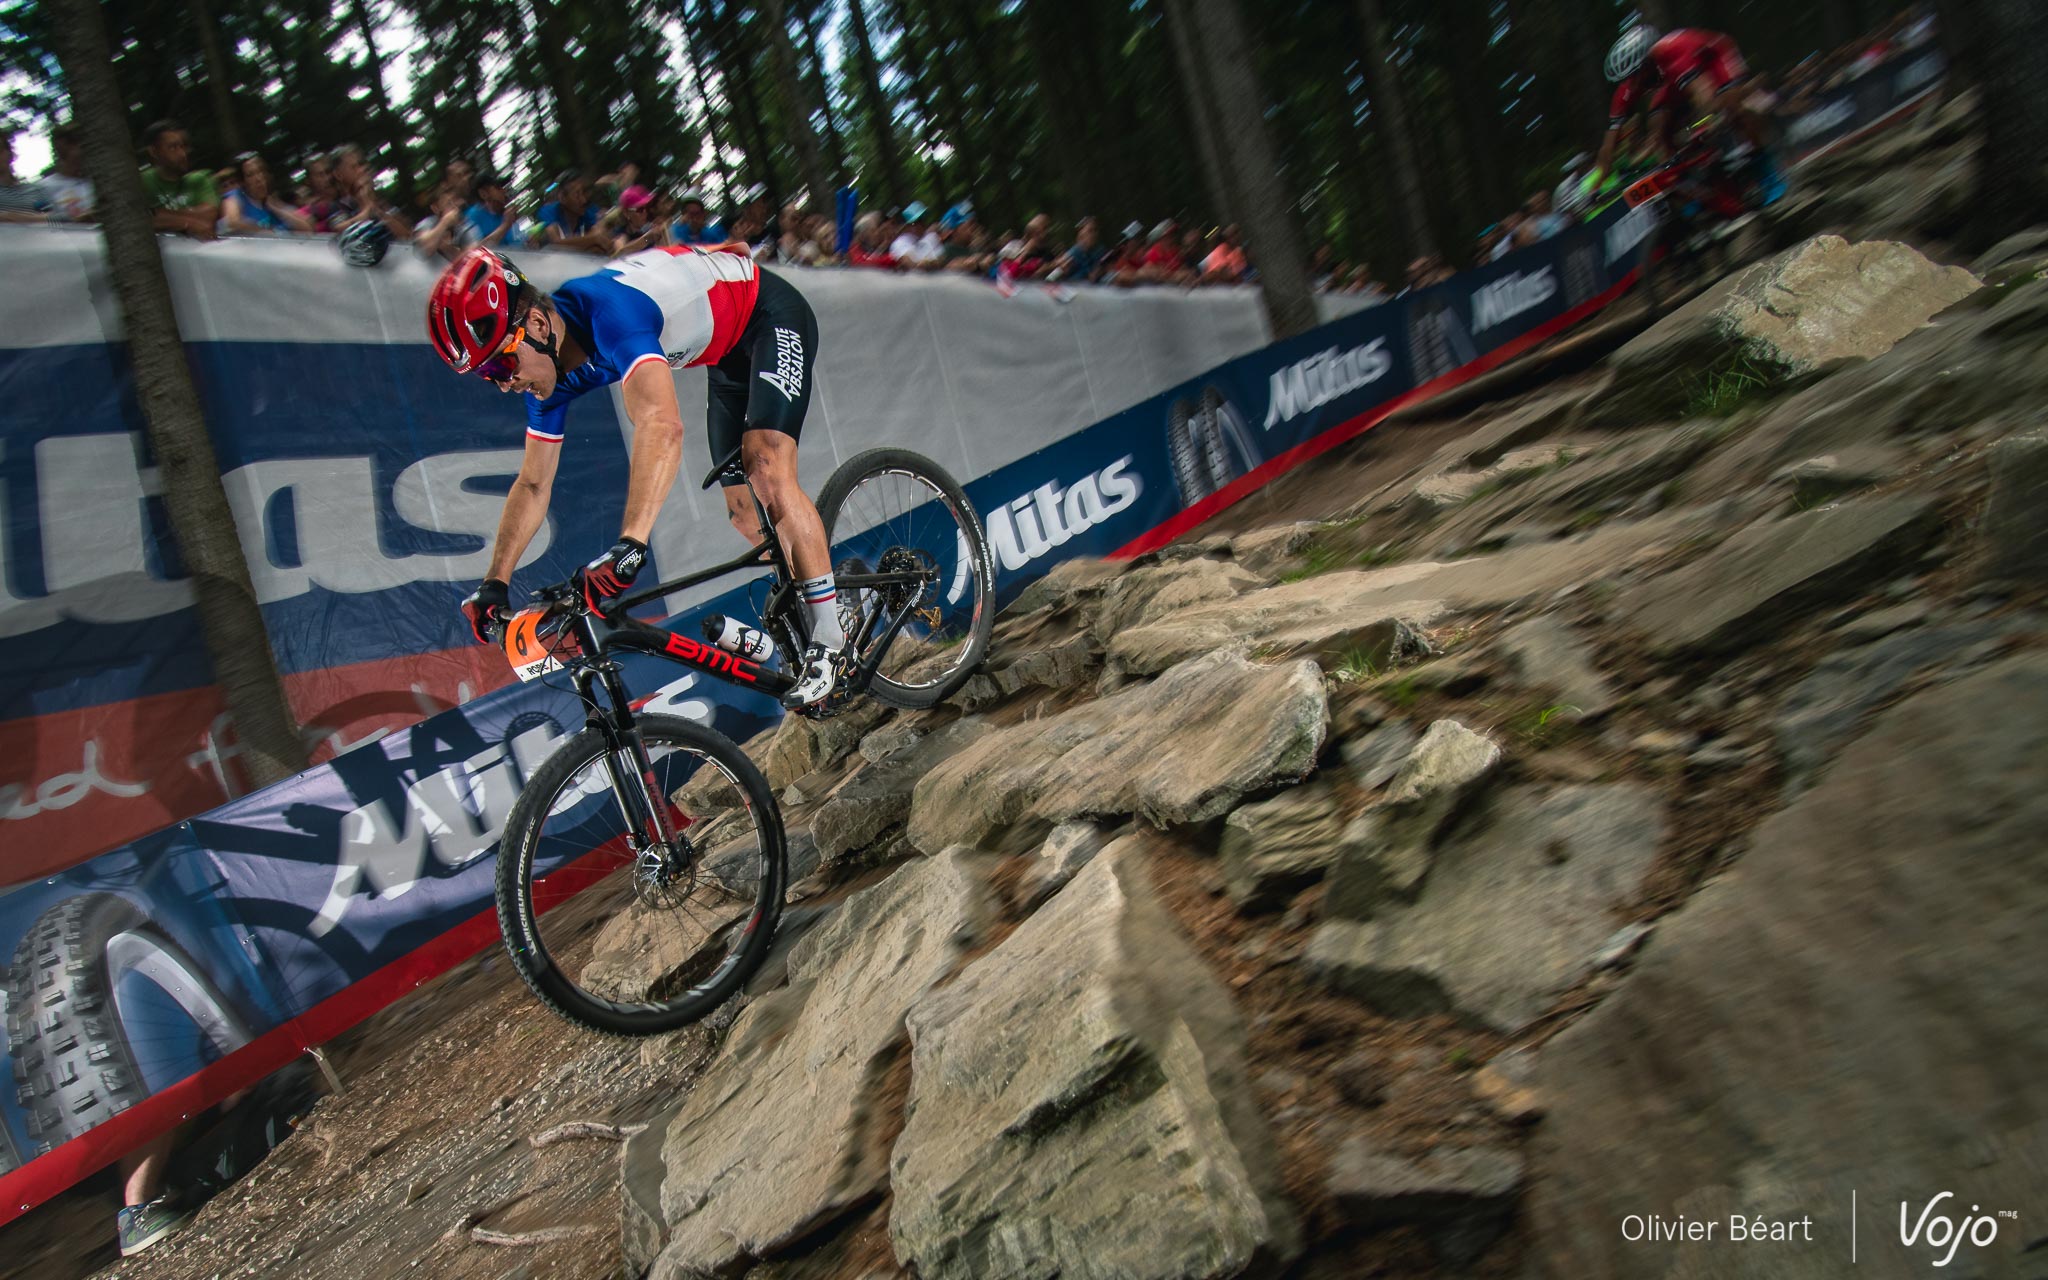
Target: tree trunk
(201, 520)
(2004, 50)
(219, 78)
(789, 87)
(1004, 131)
(1201, 105)
(552, 44)
(959, 128)
(823, 89)
(880, 118)
(736, 72)
(1383, 82)
(696, 61)
(1272, 228)
(1071, 105)
(394, 128)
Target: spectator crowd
(607, 214)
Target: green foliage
(1022, 105)
(1544, 725)
(1356, 664)
(1737, 380)
(1402, 692)
(1316, 558)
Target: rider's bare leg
(769, 459)
(739, 509)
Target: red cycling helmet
(469, 313)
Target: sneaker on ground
(142, 1225)
(819, 671)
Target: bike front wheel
(892, 511)
(635, 922)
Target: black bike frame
(649, 820)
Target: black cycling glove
(611, 573)
(487, 608)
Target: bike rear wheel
(632, 936)
(892, 510)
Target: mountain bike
(1705, 194)
(643, 867)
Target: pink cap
(635, 197)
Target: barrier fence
(153, 980)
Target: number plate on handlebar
(525, 649)
(1648, 188)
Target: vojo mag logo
(1943, 1234)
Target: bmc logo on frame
(1944, 1234)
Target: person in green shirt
(184, 201)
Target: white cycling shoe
(820, 673)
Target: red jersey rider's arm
(650, 395)
(526, 505)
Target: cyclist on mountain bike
(631, 322)
(1687, 70)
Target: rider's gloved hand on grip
(611, 573)
(488, 608)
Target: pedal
(842, 692)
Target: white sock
(823, 599)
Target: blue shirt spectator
(696, 225)
(490, 218)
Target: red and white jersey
(683, 306)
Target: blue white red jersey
(680, 305)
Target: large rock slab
(1331, 618)
(782, 1133)
(1515, 911)
(1821, 713)
(642, 944)
(1817, 303)
(1274, 847)
(1462, 1198)
(1543, 653)
(1876, 956)
(1768, 575)
(1151, 590)
(1068, 582)
(1079, 1106)
(1333, 615)
(1070, 846)
(2015, 527)
(878, 796)
(1183, 748)
(1388, 852)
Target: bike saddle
(729, 465)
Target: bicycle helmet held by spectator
(364, 244)
(470, 311)
(1629, 52)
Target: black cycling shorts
(764, 382)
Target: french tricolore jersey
(682, 306)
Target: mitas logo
(1049, 516)
(1510, 296)
(1314, 382)
(1820, 120)
(1944, 1234)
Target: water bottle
(734, 636)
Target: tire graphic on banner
(1437, 341)
(103, 1010)
(1208, 443)
(1581, 274)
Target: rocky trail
(1626, 796)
